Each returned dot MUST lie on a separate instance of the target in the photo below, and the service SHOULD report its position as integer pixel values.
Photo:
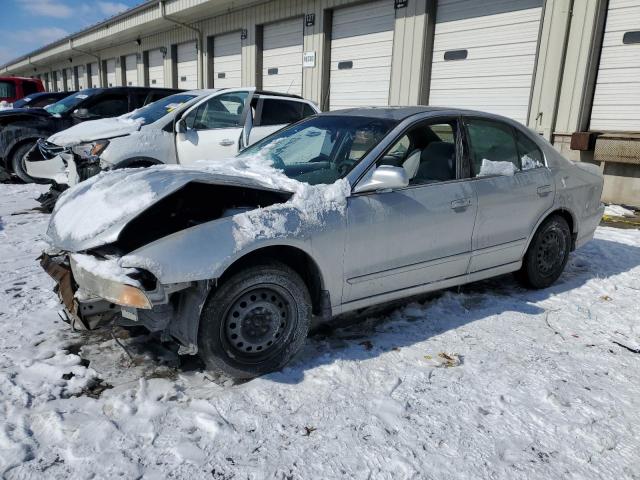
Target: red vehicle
(15, 88)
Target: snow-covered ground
(493, 381)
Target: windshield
(321, 149)
(156, 110)
(70, 102)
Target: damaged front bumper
(59, 165)
(91, 300)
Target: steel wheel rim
(551, 252)
(258, 322)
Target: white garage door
(484, 55)
(68, 76)
(131, 70)
(82, 83)
(282, 57)
(187, 64)
(95, 75)
(227, 60)
(59, 81)
(616, 103)
(361, 48)
(156, 68)
(111, 72)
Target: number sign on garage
(484, 55)
(361, 48)
(282, 56)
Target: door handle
(226, 142)
(545, 190)
(461, 203)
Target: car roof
(399, 114)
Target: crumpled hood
(94, 130)
(94, 212)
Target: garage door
(282, 57)
(227, 60)
(187, 64)
(111, 72)
(95, 75)
(82, 83)
(69, 84)
(156, 68)
(616, 103)
(361, 48)
(131, 70)
(59, 81)
(484, 55)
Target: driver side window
(427, 152)
(221, 111)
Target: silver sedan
(338, 212)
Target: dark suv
(20, 129)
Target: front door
(213, 127)
(418, 234)
(514, 189)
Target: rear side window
(530, 154)
(221, 111)
(492, 148)
(7, 89)
(282, 112)
(110, 106)
(29, 88)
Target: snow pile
(108, 269)
(489, 167)
(98, 203)
(96, 130)
(618, 211)
(528, 163)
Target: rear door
(187, 65)
(156, 68)
(514, 189)
(214, 126)
(282, 56)
(273, 113)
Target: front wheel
(255, 322)
(547, 255)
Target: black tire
(547, 254)
(18, 165)
(255, 322)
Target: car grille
(49, 150)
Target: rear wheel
(18, 164)
(255, 322)
(547, 255)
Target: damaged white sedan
(338, 212)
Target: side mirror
(181, 129)
(384, 177)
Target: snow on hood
(94, 212)
(95, 130)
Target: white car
(179, 129)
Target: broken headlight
(90, 149)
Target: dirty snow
(492, 381)
(618, 211)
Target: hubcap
(257, 321)
(551, 252)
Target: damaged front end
(62, 165)
(91, 301)
(154, 265)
